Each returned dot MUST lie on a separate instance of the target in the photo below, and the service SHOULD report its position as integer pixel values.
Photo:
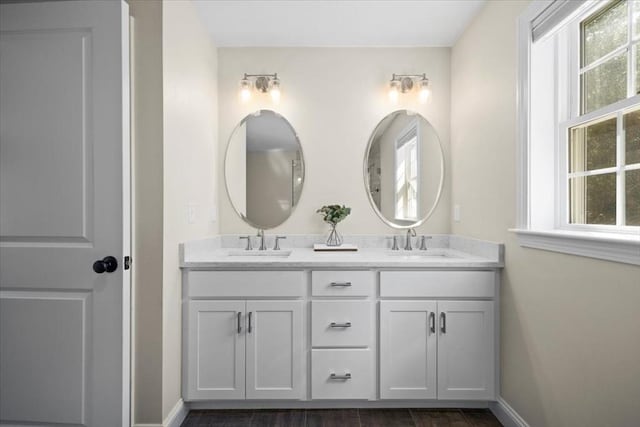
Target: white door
(466, 367)
(216, 340)
(274, 350)
(408, 340)
(64, 198)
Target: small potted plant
(332, 215)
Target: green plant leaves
(333, 214)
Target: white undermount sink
(256, 253)
(417, 254)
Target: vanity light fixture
(263, 83)
(403, 83)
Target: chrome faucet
(395, 247)
(263, 246)
(423, 242)
(276, 246)
(249, 247)
(410, 233)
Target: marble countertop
(448, 252)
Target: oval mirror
(264, 169)
(404, 169)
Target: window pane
(636, 17)
(604, 32)
(632, 137)
(593, 146)
(632, 189)
(605, 84)
(592, 199)
(635, 48)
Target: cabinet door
(466, 366)
(408, 349)
(216, 345)
(274, 350)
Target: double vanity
(286, 326)
(376, 327)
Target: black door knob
(108, 264)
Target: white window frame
(408, 133)
(603, 242)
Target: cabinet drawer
(245, 284)
(342, 283)
(437, 284)
(341, 374)
(341, 323)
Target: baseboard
(177, 415)
(506, 414)
(174, 418)
(334, 404)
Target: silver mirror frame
(365, 174)
(226, 153)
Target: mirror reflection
(404, 169)
(264, 169)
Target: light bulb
(245, 89)
(394, 87)
(424, 90)
(275, 90)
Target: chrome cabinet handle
(432, 322)
(239, 324)
(443, 322)
(249, 326)
(333, 376)
(340, 284)
(340, 325)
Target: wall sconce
(405, 82)
(262, 83)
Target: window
(579, 128)
(407, 179)
(603, 152)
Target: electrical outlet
(213, 214)
(456, 213)
(191, 214)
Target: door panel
(216, 350)
(466, 350)
(274, 350)
(31, 386)
(44, 186)
(64, 130)
(407, 350)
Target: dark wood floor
(343, 418)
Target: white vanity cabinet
(342, 335)
(408, 350)
(375, 335)
(243, 349)
(437, 348)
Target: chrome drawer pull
(340, 377)
(340, 325)
(340, 284)
(432, 322)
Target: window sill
(607, 246)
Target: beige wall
(146, 159)
(334, 98)
(190, 164)
(570, 325)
